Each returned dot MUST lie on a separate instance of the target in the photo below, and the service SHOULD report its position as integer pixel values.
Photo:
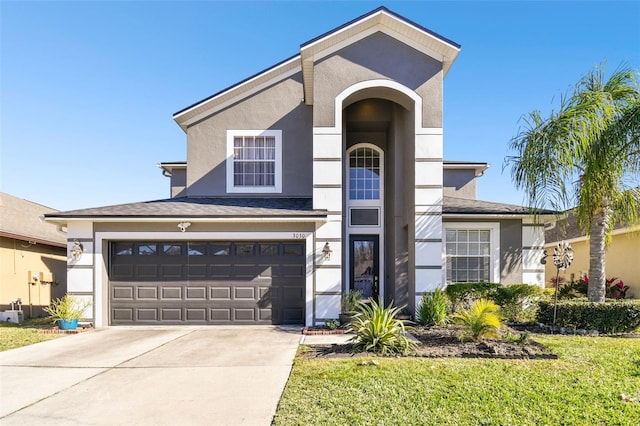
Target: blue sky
(88, 88)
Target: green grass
(17, 335)
(582, 387)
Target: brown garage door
(206, 282)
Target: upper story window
(364, 174)
(254, 161)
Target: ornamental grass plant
(432, 309)
(481, 321)
(377, 329)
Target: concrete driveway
(149, 376)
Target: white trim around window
(494, 243)
(267, 182)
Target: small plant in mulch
(433, 308)
(332, 324)
(379, 330)
(481, 321)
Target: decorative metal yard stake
(562, 258)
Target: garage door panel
(266, 315)
(196, 293)
(196, 271)
(221, 271)
(220, 293)
(293, 315)
(270, 293)
(146, 314)
(222, 315)
(263, 284)
(171, 314)
(171, 271)
(244, 293)
(122, 314)
(122, 293)
(171, 293)
(245, 271)
(196, 314)
(121, 271)
(147, 293)
(246, 314)
(146, 271)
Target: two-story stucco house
(317, 176)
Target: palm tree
(587, 154)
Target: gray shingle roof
(20, 219)
(453, 205)
(567, 229)
(260, 207)
(202, 207)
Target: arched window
(364, 174)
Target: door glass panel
(244, 249)
(268, 249)
(197, 249)
(220, 249)
(123, 249)
(146, 249)
(364, 267)
(172, 249)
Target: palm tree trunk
(597, 277)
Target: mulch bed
(440, 342)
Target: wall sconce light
(326, 251)
(183, 226)
(76, 250)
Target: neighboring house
(621, 256)
(317, 176)
(33, 256)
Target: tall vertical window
(364, 174)
(254, 161)
(470, 253)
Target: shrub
(615, 288)
(613, 316)
(432, 309)
(462, 295)
(480, 321)
(576, 288)
(350, 301)
(378, 330)
(66, 308)
(517, 301)
(331, 324)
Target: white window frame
(231, 187)
(494, 244)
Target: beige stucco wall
(622, 261)
(17, 258)
(279, 107)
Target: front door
(364, 261)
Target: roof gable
(378, 20)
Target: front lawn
(585, 386)
(16, 335)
